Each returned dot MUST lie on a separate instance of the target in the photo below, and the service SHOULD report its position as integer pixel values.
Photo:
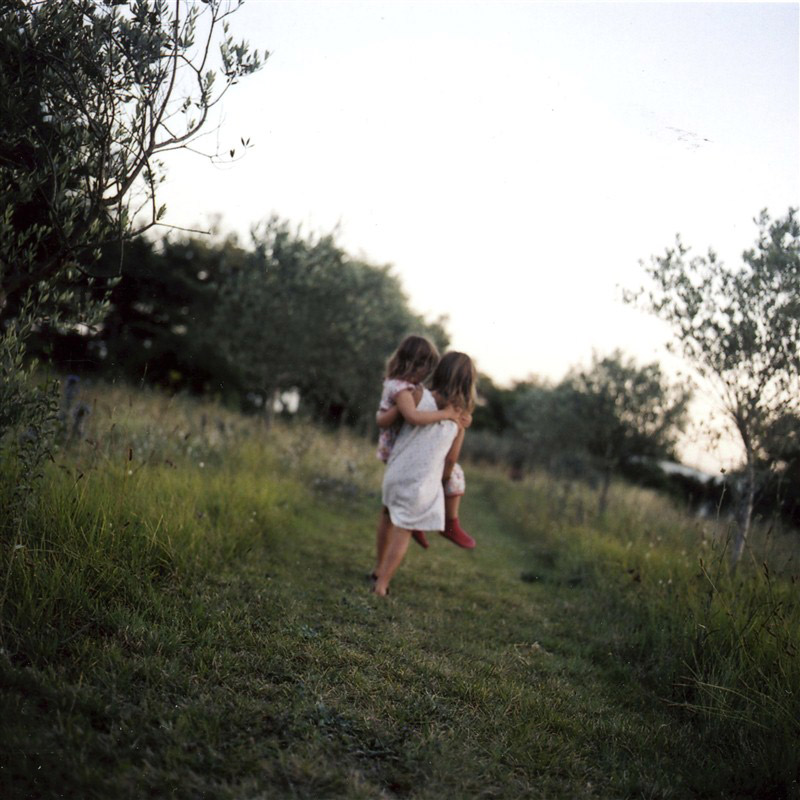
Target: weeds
(186, 615)
(717, 643)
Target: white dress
(412, 484)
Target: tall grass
(159, 489)
(162, 493)
(718, 644)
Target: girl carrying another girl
(422, 458)
(408, 367)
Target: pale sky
(513, 161)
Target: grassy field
(185, 614)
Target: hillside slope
(197, 624)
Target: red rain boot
(457, 535)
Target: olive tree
(301, 314)
(91, 93)
(739, 327)
(617, 410)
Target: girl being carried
(421, 459)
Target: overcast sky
(514, 161)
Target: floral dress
(386, 440)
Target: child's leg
(420, 538)
(396, 546)
(382, 538)
(453, 492)
(451, 504)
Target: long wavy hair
(455, 379)
(413, 360)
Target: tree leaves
(87, 101)
(88, 98)
(739, 328)
(301, 314)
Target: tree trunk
(744, 512)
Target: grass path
(279, 675)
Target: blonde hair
(414, 358)
(454, 380)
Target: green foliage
(156, 326)
(290, 313)
(27, 419)
(780, 461)
(596, 419)
(188, 613)
(90, 93)
(716, 643)
(300, 314)
(740, 329)
(616, 410)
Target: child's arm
(452, 456)
(386, 419)
(407, 406)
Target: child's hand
(464, 419)
(451, 412)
